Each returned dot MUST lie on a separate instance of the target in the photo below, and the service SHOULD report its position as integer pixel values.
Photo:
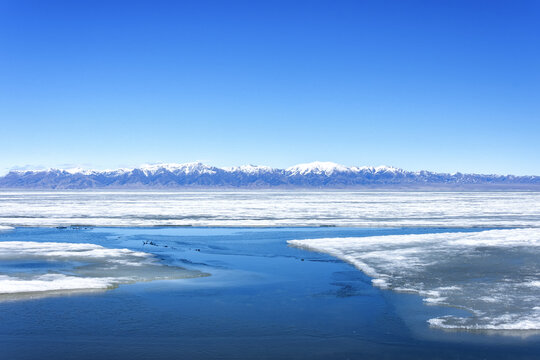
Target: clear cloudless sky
(437, 85)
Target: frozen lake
(270, 208)
(426, 269)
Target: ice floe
(91, 267)
(495, 274)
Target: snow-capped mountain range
(312, 175)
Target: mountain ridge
(309, 175)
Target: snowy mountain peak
(377, 169)
(249, 169)
(186, 168)
(317, 167)
(384, 168)
(72, 171)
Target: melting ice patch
(494, 274)
(34, 268)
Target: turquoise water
(263, 300)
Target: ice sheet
(270, 208)
(494, 274)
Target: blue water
(264, 300)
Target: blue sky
(437, 85)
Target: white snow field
(270, 208)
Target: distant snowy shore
(243, 208)
(312, 175)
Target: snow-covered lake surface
(270, 208)
(485, 262)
